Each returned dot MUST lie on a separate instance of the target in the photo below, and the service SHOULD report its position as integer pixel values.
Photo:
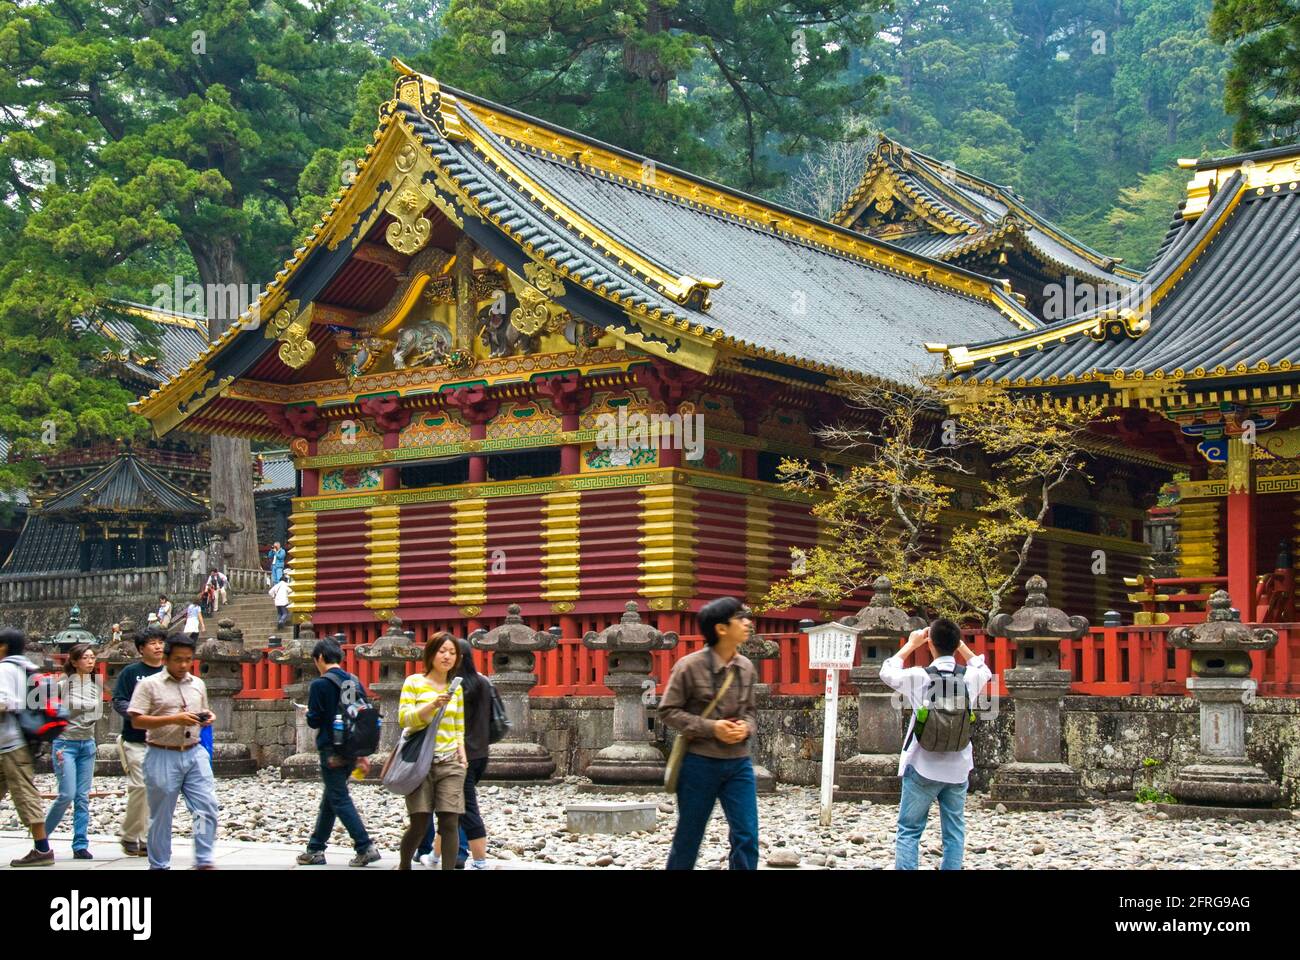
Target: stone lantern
(222, 660)
(632, 760)
(872, 774)
(304, 764)
(1223, 781)
(758, 649)
(393, 651)
(71, 635)
(513, 646)
(1037, 779)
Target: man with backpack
(343, 736)
(936, 760)
(17, 774)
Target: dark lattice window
(437, 474)
(768, 464)
(528, 464)
(1065, 517)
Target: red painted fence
(1107, 661)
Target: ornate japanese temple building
(928, 207)
(1201, 363)
(493, 298)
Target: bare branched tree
(824, 180)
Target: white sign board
(830, 648)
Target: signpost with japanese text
(830, 647)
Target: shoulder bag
(408, 764)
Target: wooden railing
(1178, 600)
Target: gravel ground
(528, 824)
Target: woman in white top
(194, 624)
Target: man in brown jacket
(717, 765)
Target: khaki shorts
(443, 790)
(18, 777)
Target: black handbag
(411, 745)
(499, 724)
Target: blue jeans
(702, 781)
(74, 765)
(914, 807)
(336, 802)
(169, 775)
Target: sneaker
(34, 858)
(204, 866)
(143, 851)
(312, 858)
(370, 855)
(478, 865)
(131, 848)
(431, 860)
(82, 855)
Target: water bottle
(338, 729)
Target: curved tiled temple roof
(665, 260)
(1219, 302)
(126, 486)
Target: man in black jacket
(323, 705)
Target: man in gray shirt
(17, 775)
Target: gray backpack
(945, 720)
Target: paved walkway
(230, 855)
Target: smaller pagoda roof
(278, 474)
(967, 215)
(180, 338)
(126, 487)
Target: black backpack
(499, 725)
(945, 721)
(362, 720)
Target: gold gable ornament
(292, 328)
(536, 312)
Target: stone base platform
(871, 777)
(1230, 784)
(1188, 811)
(621, 788)
(611, 818)
(521, 783)
(1037, 786)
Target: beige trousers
(136, 825)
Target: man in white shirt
(930, 775)
(280, 594)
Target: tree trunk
(645, 65)
(232, 461)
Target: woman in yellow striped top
(443, 791)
